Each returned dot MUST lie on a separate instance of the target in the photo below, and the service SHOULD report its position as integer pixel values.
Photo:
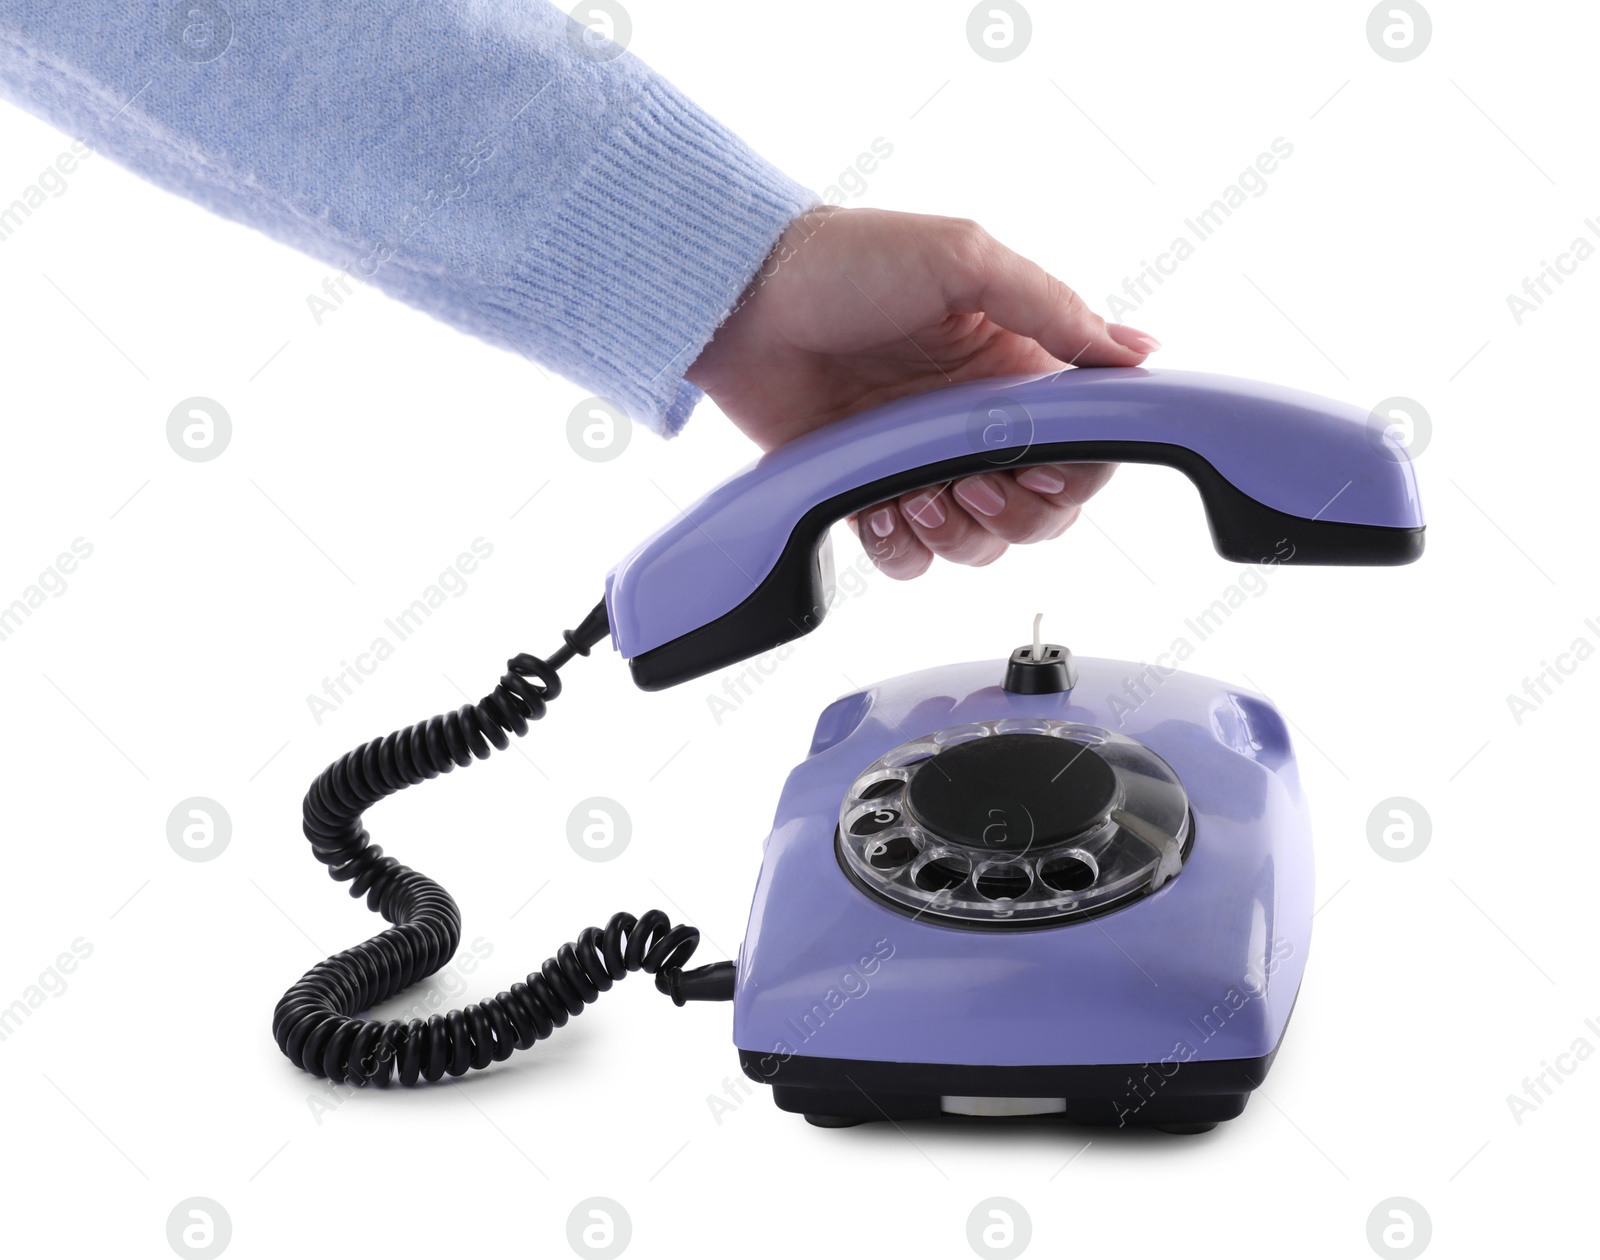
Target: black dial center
(1012, 793)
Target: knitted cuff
(670, 222)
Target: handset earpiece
(1286, 477)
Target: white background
(368, 452)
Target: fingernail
(926, 511)
(882, 522)
(980, 496)
(1142, 342)
(1042, 480)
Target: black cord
(316, 1023)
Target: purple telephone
(1059, 905)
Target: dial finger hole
(1090, 735)
(1072, 871)
(1023, 726)
(890, 853)
(942, 872)
(961, 734)
(1003, 881)
(874, 821)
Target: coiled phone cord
(317, 1022)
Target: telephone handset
(746, 568)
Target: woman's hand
(857, 307)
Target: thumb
(1024, 298)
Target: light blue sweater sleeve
(489, 161)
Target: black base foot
(838, 1093)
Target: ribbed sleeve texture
(475, 158)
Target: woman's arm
(488, 161)
(493, 163)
